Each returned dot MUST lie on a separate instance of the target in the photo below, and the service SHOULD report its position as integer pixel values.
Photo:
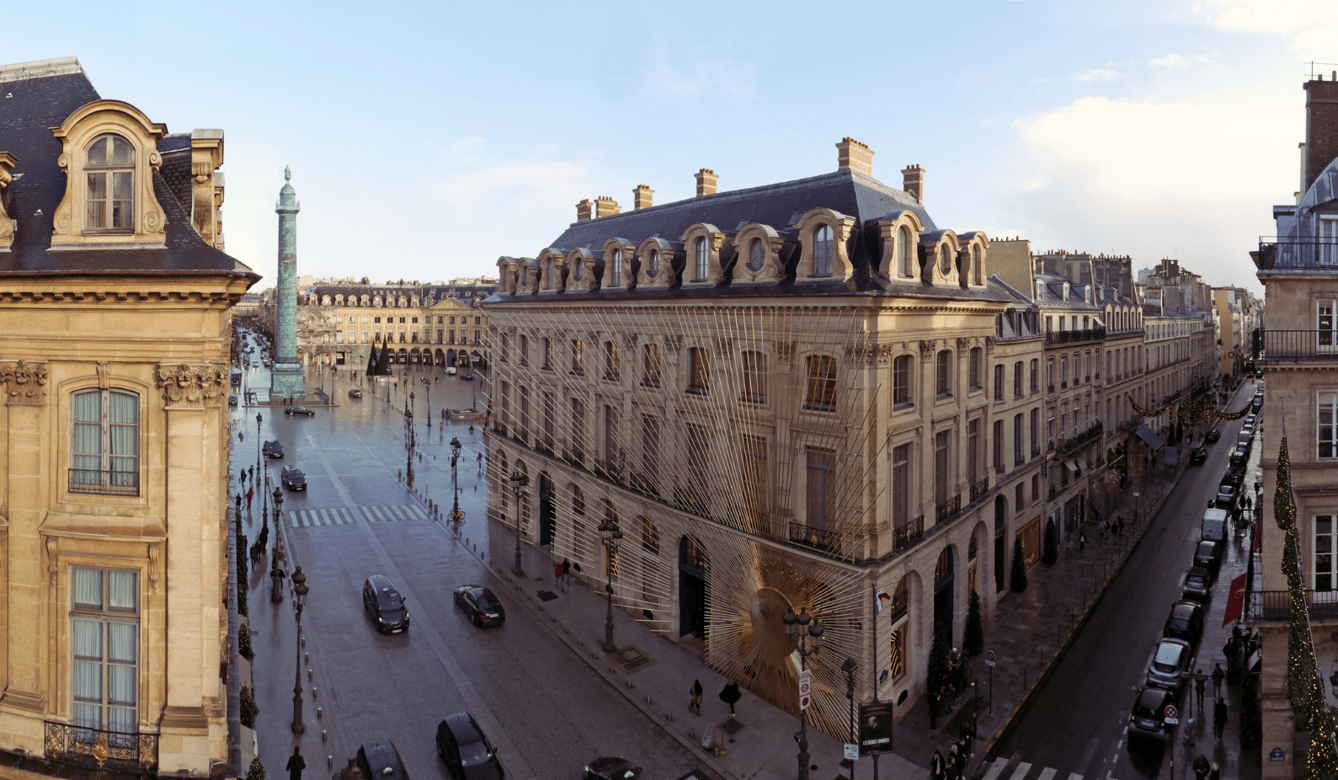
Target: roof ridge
(22, 71)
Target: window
(973, 452)
(577, 357)
(506, 348)
(1328, 425)
(901, 488)
(650, 450)
(1035, 488)
(548, 351)
(1050, 373)
(901, 380)
(650, 537)
(524, 422)
(653, 264)
(524, 350)
(944, 260)
(699, 370)
(504, 419)
(700, 257)
(1326, 534)
(110, 170)
(610, 437)
(822, 251)
(1017, 440)
(999, 382)
(754, 450)
(1327, 319)
(104, 629)
(821, 383)
(577, 429)
(1035, 432)
(1017, 379)
(821, 469)
(699, 455)
(756, 255)
(613, 361)
(943, 379)
(998, 447)
(974, 367)
(903, 251)
(548, 274)
(550, 421)
(942, 475)
(650, 365)
(616, 268)
(1064, 371)
(754, 377)
(106, 443)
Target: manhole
(731, 726)
(631, 659)
(547, 595)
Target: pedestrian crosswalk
(308, 518)
(997, 771)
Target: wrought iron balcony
(948, 508)
(812, 537)
(1074, 336)
(1295, 253)
(106, 483)
(1066, 446)
(980, 488)
(1276, 605)
(645, 484)
(904, 536)
(101, 749)
(1296, 345)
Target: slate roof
(29, 108)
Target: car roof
(1184, 606)
(379, 581)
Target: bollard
(329, 759)
(324, 735)
(648, 701)
(313, 693)
(304, 643)
(308, 675)
(306, 658)
(320, 712)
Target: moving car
(480, 605)
(1198, 455)
(385, 604)
(272, 449)
(293, 478)
(1185, 621)
(1208, 555)
(1148, 715)
(467, 753)
(450, 371)
(1212, 436)
(611, 768)
(355, 393)
(1169, 662)
(468, 377)
(379, 760)
(292, 410)
(1198, 585)
(232, 400)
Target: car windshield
(1168, 657)
(488, 601)
(1205, 549)
(1150, 703)
(1194, 579)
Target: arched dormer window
(944, 260)
(414, 302)
(904, 264)
(822, 251)
(365, 300)
(109, 167)
(616, 269)
(757, 254)
(700, 257)
(377, 301)
(977, 274)
(548, 274)
(653, 263)
(403, 301)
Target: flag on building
(1235, 605)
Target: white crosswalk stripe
(1022, 770)
(309, 518)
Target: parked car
(292, 410)
(1169, 662)
(355, 393)
(1212, 436)
(1148, 715)
(468, 376)
(1208, 555)
(1239, 458)
(1258, 401)
(293, 478)
(385, 604)
(380, 760)
(1185, 621)
(1226, 495)
(450, 371)
(480, 605)
(272, 449)
(1198, 455)
(1233, 477)
(611, 768)
(232, 400)
(1198, 585)
(467, 753)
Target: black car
(232, 400)
(1198, 585)
(293, 478)
(1208, 555)
(611, 768)
(355, 393)
(1233, 477)
(385, 604)
(480, 605)
(1198, 455)
(292, 410)
(1212, 436)
(467, 376)
(379, 760)
(1148, 716)
(1185, 621)
(273, 449)
(1239, 458)
(467, 753)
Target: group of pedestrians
(562, 574)
(953, 767)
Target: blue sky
(428, 139)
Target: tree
(383, 362)
(1018, 582)
(939, 662)
(371, 362)
(1050, 554)
(973, 642)
(257, 770)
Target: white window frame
(104, 649)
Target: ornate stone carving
(990, 341)
(872, 354)
(673, 343)
(52, 547)
(629, 342)
(193, 385)
(724, 346)
(928, 347)
(963, 344)
(104, 376)
(153, 567)
(785, 352)
(26, 380)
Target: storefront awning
(1072, 465)
(1149, 438)
(1172, 457)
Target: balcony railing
(1295, 253)
(904, 536)
(811, 536)
(1074, 336)
(100, 749)
(1065, 446)
(948, 508)
(1276, 605)
(1296, 345)
(980, 488)
(106, 483)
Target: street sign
(989, 658)
(805, 689)
(852, 752)
(1171, 715)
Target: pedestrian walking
(1219, 717)
(1216, 774)
(264, 538)
(937, 768)
(1218, 674)
(730, 695)
(250, 493)
(566, 574)
(968, 735)
(1200, 687)
(953, 764)
(695, 698)
(1082, 540)
(480, 459)
(296, 764)
(961, 759)
(557, 576)
(1201, 767)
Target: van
(1213, 527)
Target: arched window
(756, 255)
(578, 269)
(700, 256)
(653, 264)
(548, 274)
(650, 536)
(822, 251)
(903, 251)
(106, 443)
(616, 269)
(944, 260)
(110, 170)
(977, 274)
(943, 568)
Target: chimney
(583, 210)
(641, 197)
(1321, 128)
(706, 180)
(854, 155)
(913, 181)
(606, 207)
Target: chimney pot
(854, 155)
(606, 207)
(641, 197)
(583, 210)
(706, 181)
(913, 181)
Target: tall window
(699, 370)
(942, 465)
(506, 348)
(821, 383)
(1035, 432)
(943, 378)
(106, 443)
(550, 420)
(997, 447)
(1326, 535)
(1017, 379)
(901, 486)
(903, 252)
(548, 351)
(754, 449)
(610, 436)
(524, 412)
(756, 255)
(699, 454)
(901, 380)
(999, 382)
(1326, 319)
(104, 628)
(613, 361)
(650, 449)
(1050, 373)
(822, 251)
(504, 419)
(650, 373)
(1017, 440)
(577, 357)
(973, 452)
(975, 367)
(821, 488)
(524, 345)
(616, 268)
(1064, 371)
(577, 429)
(1328, 425)
(754, 377)
(110, 170)
(700, 256)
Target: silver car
(1169, 664)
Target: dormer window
(577, 270)
(654, 262)
(944, 260)
(756, 255)
(548, 274)
(822, 251)
(700, 256)
(110, 170)
(616, 268)
(903, 252)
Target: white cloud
(530, 181)
(1107, 72)
(1311, 25)
(1181, 61)
(467, 143)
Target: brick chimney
(606, 207)
(706, 180)
(583, 210)
(641, 197)
(913, 181)
(1321, 127)
(854, 155)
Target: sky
(427, 139)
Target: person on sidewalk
(695, 698)
(937, 768)
(960, 750)
(1201, 767)
(1216, 774)
(730, 695)
(1218, 675)
(933, 709)
(296, 764)
(967, 733)
(557, 576)
(1219, 717)
(953, 765)
(1200, 686)
(566, 575)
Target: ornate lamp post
(300, 590)
(276, 573)
(610, 533)
(849, 668)
(259, 419)
(518, 482)
(409, 438)
(456, 514)
(798, 629)
(428, 385)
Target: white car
(450, 371)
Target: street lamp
(456, 514)
(518, 481)
(275, 573)
(300, 590)
(428, 385)
(849, 668)
(610, 533)
(259, 419)
(798, 629)
(409, 438)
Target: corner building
(114, 301)
(782, 396)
